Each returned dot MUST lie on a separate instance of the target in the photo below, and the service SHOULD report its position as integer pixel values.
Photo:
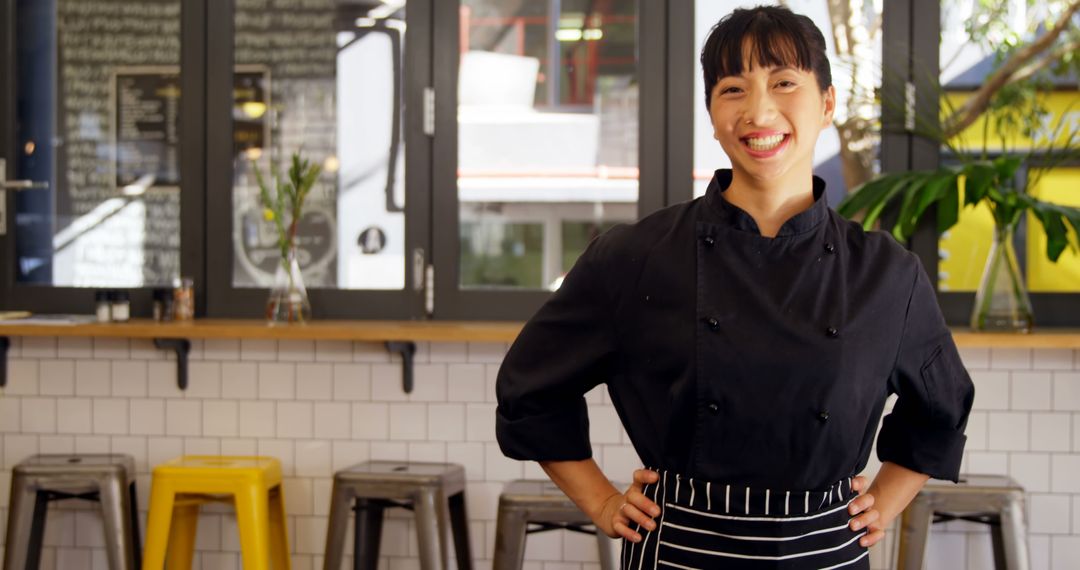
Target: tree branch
(976, 105)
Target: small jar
(184, 299)
(121, 307)
(163, 305)
(103, 306)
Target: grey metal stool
(995, 500)
(106, 478)
(435, 492)
(542, 504)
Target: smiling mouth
(765, 144)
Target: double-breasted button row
(830, 248)
(832, 332)
(712, 323)
(714, 408)
(709, 240)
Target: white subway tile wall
(322, 406)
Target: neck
(771, 202)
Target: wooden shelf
(1041, 338)
(248, 328)
(423, 331)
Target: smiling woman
(784, 329)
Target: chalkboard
(146, 124)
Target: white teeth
(765, 143)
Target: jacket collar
(731, 215)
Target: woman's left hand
(864, 515)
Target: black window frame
(1050, 309)
(666, 103)
(52, 299)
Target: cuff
(559, 436)
(922, 447)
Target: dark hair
(779, 37)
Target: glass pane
(846, 153)
(543, 147)
(97, 131)
(1039, 118)
(322, 78)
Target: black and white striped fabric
(704, 525)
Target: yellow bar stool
(251, 484)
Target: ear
(830, 106)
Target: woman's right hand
(622, 510)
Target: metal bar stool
(995, 500)
(108, 479)
(543, 505)
(435, 492)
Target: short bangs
(765, 36)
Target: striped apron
(706, 525)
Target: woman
(749, 340)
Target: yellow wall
(963, 249)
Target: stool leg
(185, 526)
(158, 521)
(252, 516)
(367, 534)
(341, 499)
(509, 539)
(279, 532)
(37, 531)
(459, 523)
(1013, 536)
(606, 544)
(20, 517)
(432, 521)
(116, 512)
(136, 550)
(914, 534)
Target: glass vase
(1002, 303)
(288, 301)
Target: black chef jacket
(730, 356)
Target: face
(768, 119)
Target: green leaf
(866, 195)
(904, 223)
(897, 184)
(977, 180)
(948, 211)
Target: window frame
(225, 300)
(432, 211)
(654, 189)
(52, 299)
(1050, 309)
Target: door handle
(16, 185)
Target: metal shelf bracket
(407, 349)
(182, 346)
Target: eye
(785, 83)
(727, 90)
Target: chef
(749, 340)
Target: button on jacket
(736, 357)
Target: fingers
(858, 483)
(635, 515)
(626, 532)
(642, 502)
(644, 477)
(865, 520)
(872, 538)
(861, 503)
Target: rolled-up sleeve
(562, 352)
(925, 430)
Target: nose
(760, 108)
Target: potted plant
(1001, 301)
(283, 204)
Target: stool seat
(996, 500)
(540, 502)
(106, 478)
(251, 483)
(435, 492)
